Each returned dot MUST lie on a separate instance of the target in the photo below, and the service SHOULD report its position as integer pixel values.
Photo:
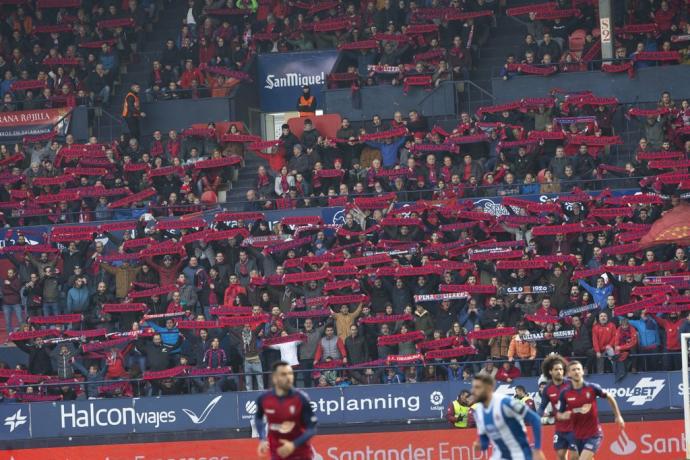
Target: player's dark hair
(485, 379)
(278, 364)
(551, 361)
(521, 388)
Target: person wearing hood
(306, 103)
(423, 321)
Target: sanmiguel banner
(15, 125)
(282, 75)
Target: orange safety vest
(302, 102)
(125, 107)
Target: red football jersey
(585, 425)
(551, 394)
(287, 417)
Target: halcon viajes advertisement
(662, 440)
(333, 406)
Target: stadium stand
(144, 282)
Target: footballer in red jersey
(578, 402)
(553, 368)
(285, 419)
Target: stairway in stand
(137, 70)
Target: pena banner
(16, 125)
(282, 75)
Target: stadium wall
(646, 86)
(660, 440)
(335, 406)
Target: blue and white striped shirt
(503, 424)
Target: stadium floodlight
(684, 338)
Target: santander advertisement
(663, 440)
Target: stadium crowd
(567, 38)
(437, 289)
(62, 53)
(140, 287)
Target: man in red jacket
(671, 325)
(603, 340)
(626, 343)
(168, 271)
(508, 372)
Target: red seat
(576, 41)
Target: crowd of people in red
(565, 39)
(137, 289)
(62, 53)
(435, 289)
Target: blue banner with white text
(652, 391)
(282, 75)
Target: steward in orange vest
(131, 111)
(306, 104)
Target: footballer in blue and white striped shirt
(501, 422)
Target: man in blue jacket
(389, 150)
(598, 293)
(78, 297)
(648, 340)
(170, 335)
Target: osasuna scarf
(198, 324)
(469, 288)
(401, 359)
(450, 353)
(440, 297)
(58, 319)
(285, 339)
(332, 364)
(542, 319)
(489, 333)
(653, 290)
(438, 343)
(123, 307)
(534, 289)
(165, 374)
(541, 336)
(640, 305)
(379, 319)
(577, 310)
(308, 313)
(94, 346)
(28, 335)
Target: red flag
(673, 227)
